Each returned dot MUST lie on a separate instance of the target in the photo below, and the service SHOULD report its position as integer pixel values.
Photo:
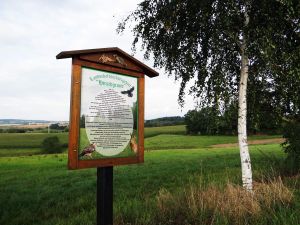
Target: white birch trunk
(242, 117)
(242, 126)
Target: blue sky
(34, 85)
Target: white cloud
(34, 85)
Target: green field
(154, 131)
(16, 144)
(167, 141)
(40, 190)
(28, 140)
(34, 140)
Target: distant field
(154, 131)
(28, 140)
(166, 141)
(26, 126)
(169, 137)
(34, 140)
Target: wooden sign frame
(109, 60)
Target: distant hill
(165, 121)
(21, 122)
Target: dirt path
(252, 142)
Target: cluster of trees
(262, 117)
(208, 121)
(16, 130)
(58, 127)
(165, 121)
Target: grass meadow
(184, 181)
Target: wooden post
(105, 195)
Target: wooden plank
(74, 117)
(141, 96)
(107, 68)
(107, 162)
(113, 59)
(76, 53)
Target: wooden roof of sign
(110, 56)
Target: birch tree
(216, 47)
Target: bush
(52, 145)
(16, 130)
(292, 146)
(204, 121)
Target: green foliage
(82, 121)
(261, 118)
(165, 121)
(228, 122)
(199, 42)
(57, 126)
(135, 115)
(52, 145)
(54, 126)
(204, 121)
(292, 146)
(210, 121)
(265, 108)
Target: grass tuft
(197, 205)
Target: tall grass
(214, 205)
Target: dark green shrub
(16, 130)
(64, 145)
(82, 121)
(292, 146)
(205, 121)
(52, 145)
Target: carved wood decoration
(112, 59)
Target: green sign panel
(108, 115)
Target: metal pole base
(105, 195)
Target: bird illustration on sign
(129, 92)
(104, 58)
(112, 59)
(87, 151)
(120, 60)
(133, 144)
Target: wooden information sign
(107, 108)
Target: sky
(34, 85)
